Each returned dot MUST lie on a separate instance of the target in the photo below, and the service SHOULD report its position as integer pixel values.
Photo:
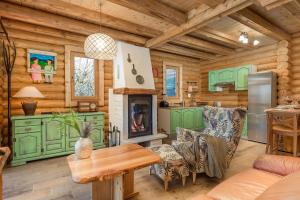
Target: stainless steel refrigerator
(262, 94)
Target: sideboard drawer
(27, 129)
(95, 118)
(28, 122)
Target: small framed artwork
(42, 65)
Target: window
(172, 80)
(84, 77)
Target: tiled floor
(50, 179)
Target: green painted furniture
(236, 75)
(245, 129)
(37, 137)
(189, 118)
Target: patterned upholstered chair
(224, 125)
(171, 167)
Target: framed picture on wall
(42, 65)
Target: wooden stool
(282, 123)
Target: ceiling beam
(294, 9)
(200, 44)
(211, 3)
(260, 24)
(37, 17)
(77, 12)
(219, 37)
(199, 20)
(271, 4)
(186, 52)
(155, 9)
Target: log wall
(264, 58)
(1, 99)
(295, 69)
(43, 38)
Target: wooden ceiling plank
(200, 20)
(260, 24)
(220, 36)
(211, 3)
(203, 45)
(155, 9)
(186, 52)
(84, 14)
(271, 4)
(33, 16)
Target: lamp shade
(29, 92)
(100, 46)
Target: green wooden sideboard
(37, 137)
(236, 75)
(186, 117)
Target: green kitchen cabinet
(245, 129)
(198, 119)
(188, 118)
(53, 136)
(176, 119)
(28, 145)
(38, 137)
(241, 82)
(226, 75)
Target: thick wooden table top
(109, 162)
(281, 110)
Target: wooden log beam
(199, 20)
(77, 12)
(29, 15)
(219, 37)
(260, 24)
(203, 45)
(186, 52)
(271, 4)
(155, 9)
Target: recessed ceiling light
(256, 42)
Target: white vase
(83, 148)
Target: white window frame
(178, 66)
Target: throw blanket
(216, 156)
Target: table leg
(128, 181)
(108, 189)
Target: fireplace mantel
(127, 91)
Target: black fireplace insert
(139, 115)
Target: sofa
(272, 177)
(211, 150)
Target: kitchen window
(172, 80)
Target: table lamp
(29, 93)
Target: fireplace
(139, 115)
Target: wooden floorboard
(50, 179)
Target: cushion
(247, 185)
(168, 154)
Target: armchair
(211, 150)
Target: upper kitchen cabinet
(237, 75)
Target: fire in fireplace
(139, 115)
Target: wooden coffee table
(111, 170)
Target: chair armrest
(281, 165)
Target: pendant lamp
(100, 46)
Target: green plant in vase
(84, 145)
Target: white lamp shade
(29, 92)
(100, 46)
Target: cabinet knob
(27, 129)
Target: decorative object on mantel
(41, 63)
(128, 58)
(99, 45)
(29, 92)
(9, 54)
(140, 79)
(164, 103)
(133, 71)
(87, 106)
(84, 145)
